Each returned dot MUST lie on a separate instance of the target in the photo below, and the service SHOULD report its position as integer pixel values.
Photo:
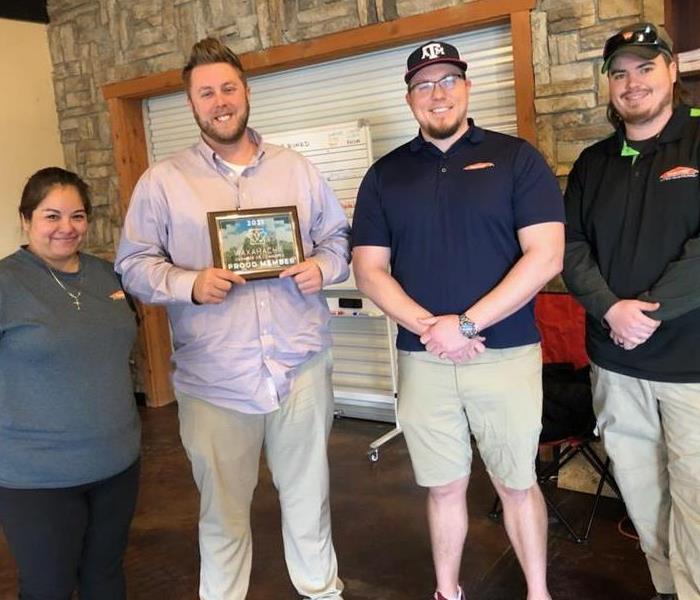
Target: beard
(442, 132)
(639, 116)
(441, 129)
(231, 137)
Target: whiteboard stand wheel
(373, 455)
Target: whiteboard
(343, 154)
(364, 372)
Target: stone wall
(98, 41)
(571, 94)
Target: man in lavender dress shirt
(252, 359)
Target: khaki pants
(224, 448)
(651, 431)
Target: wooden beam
(130, 150)
(129, 142)
(441, 22)
(131, 160)
(669, 17)
(524, 74)
(144, 86)
(154, 336)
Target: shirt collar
(216, 162)
(672, 131)
(474, 135)
(676, 125)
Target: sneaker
(439, 596)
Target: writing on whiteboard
(342, 153)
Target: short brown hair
(207, 52)
(40, 184)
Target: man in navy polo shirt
(470, 222)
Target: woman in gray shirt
(69, 428)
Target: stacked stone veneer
(571, 93)
(94, 42)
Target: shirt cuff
(181, 283)
(327, 267)
(602, 304)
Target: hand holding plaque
(257, 243)
(307, 275)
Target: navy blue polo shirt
(451, 222)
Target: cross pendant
(76, 302)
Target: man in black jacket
(633, 261)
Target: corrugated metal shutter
(368, 87)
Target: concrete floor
(380, 532)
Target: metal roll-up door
(368, 87)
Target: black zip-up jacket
(633, 231)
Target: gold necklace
(75, 296)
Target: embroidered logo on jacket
(480, 165)
(678, 173)
(118, 295)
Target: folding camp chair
(568, 420)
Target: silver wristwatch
(467, 327)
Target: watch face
(467, 327)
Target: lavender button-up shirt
(240, 354)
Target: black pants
(67, 537)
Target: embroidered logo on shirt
(477, 166)
(678, 173)
(118, 295)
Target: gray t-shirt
(67, 411)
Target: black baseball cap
(431, 54)
(645, 40)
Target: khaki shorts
(497, 397)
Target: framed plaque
(256, 243)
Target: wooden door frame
(125, 99)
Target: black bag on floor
(567, 408)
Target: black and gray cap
(645, 40)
